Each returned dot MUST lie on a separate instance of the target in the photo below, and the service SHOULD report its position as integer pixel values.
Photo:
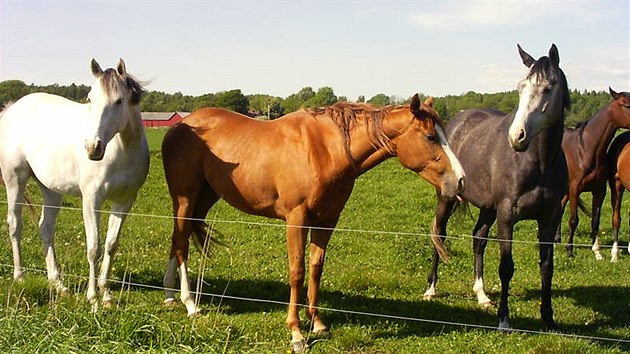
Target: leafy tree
(297, 100)
(12, 90)
(323, 98)
(380, 100)
(233, 100)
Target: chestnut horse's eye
(432, 137)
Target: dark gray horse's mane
(542, 68)
(110, 79)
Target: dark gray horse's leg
(480, 240)
(505, 228)
(546, 228)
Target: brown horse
(619, 155)
(585, 150)
(300, 168)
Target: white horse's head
(113, 101)
(543, 96)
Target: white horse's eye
(119, 101)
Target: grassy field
(372, 286)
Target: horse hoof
(298, 346)
(614, 260)
(108, 304)
(486, 304)
(170, 302)
(321, 333)
(599, 257)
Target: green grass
(368, 270)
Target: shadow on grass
(414, 317)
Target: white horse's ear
(122, 70)
(527, 59)
(96, 69)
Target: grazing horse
(300, 168)
(585, 149)
(96, 150)
(515, 171)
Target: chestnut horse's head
(113, 100)
(620, 106)
(422, 147)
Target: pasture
(371, 294)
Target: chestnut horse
(619, 156)
(300, 168)
(515, 171)
(585, 149)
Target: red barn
(161, 119)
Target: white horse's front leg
(15, 198)
(50, 210)
(118, 215)
(91, 218)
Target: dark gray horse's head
(543, 96)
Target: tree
(380, 100)
(323, 98)
(12, 90)
(233, 100)
(297, 100)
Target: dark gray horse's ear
(414, 107)
(554, 57)
(122, 69)
(527, 59)
(96, 69)
(614, 94)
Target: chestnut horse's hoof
(298, 346)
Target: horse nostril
(461, 184)
(521, 135)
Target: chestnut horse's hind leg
(616, 196)
(574, 220)
(187, 211)
(598, 199)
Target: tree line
(584, 104)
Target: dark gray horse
(516, 171)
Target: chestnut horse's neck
(597, 132)
(365, 153)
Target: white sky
(278, 47)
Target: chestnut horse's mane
(347, 114)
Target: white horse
(96, 150)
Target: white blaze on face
(455, 165)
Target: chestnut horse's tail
(203, 237)
(582, 206)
